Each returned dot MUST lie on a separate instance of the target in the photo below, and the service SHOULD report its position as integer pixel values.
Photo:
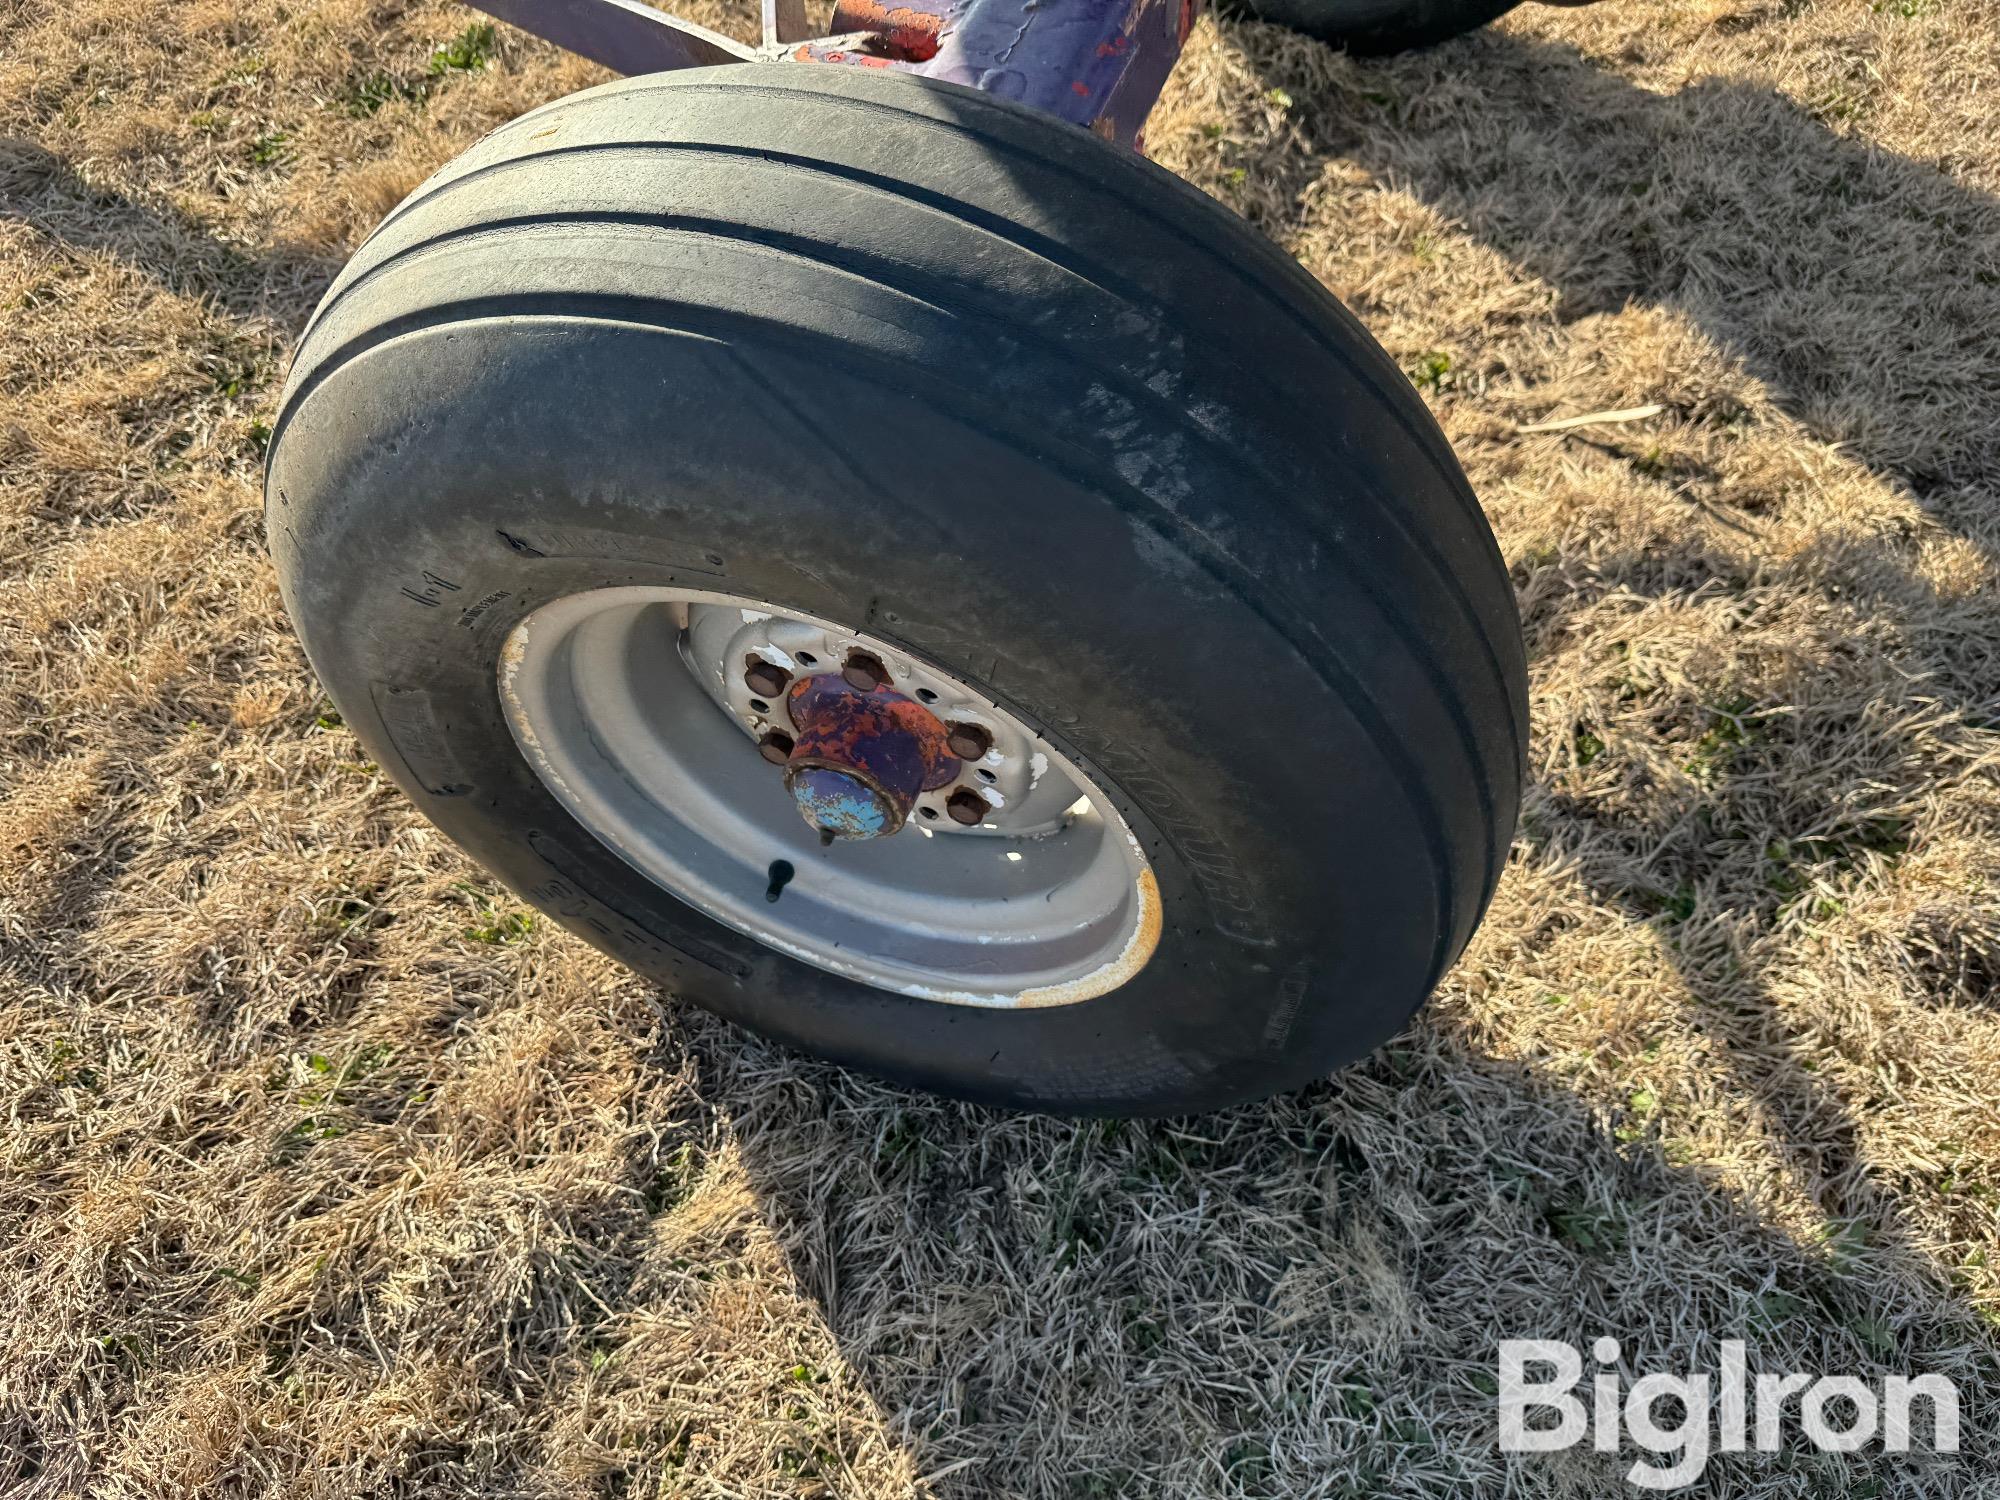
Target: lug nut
(968, 741)
(765, 678)
(863, 672)
(966, 806)
(776, 747)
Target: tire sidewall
(436, 491)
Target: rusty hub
(609, 695)
(862, 755)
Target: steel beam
(785, 21)
(624, 35)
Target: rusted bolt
(864, 672)
(968, 741)
(776, 747)
(966, 806)
(765, 678)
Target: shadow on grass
(1871, 319)
(41, 190)
(1305, 1298)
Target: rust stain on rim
(1138, 951)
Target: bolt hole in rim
(630, 705)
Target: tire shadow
(1871, 325)
(1303, 1297)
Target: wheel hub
(755, 665)
(862, 755)
(689, 731)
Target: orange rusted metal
(907, 33)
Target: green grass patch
(1593, 1228)
(468, 52)
(502, 927)
(1432, 372)
(364, 96)
(271, 150)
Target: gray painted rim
(624, 702)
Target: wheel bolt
(764, 678)
(966, 806)
(776, 747)
(863, 672)
(968, 741)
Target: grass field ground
(327, 1170)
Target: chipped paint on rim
(1137, 951)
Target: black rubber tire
(907, 356)
(1375, 27)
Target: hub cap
(862, 755)
(830, 796)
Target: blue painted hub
(837, 803)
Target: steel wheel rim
(649, 746)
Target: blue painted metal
(1096, 63)
(841, 803)
(1099, 64)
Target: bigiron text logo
(1726, 1410)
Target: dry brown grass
(321, 1176)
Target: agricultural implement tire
(673, 462)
